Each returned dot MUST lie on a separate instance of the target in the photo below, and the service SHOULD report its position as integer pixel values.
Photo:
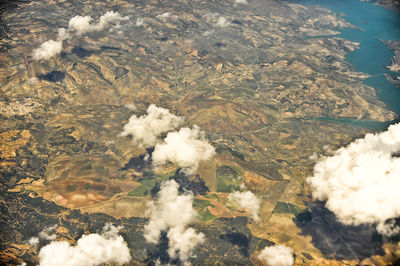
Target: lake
(377, 23)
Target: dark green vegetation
(232, 238)
(284, 207)
(206, 216)
(204, 213)
(187, 182)
(229, 178)
(147, 185)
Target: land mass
(258, 86)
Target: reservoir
(375, 24)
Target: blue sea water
(377, 23)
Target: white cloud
(216, 19)
(51, 48)
(208, 32)
(170, 210)
(222, 22)
(163, 15)
(130, 106)
(388, 228)
(183, 241)
(32, 80)
(46, 234)
(146, 129)
(241, 2)
(49, 233)
(246, 200)
(278, 255)
(79, 25)
(109, 18)
(360, 183)
(172, 213)
(139, 21)
(93, 249)
(186, 148)
(63, 34)
(47, 50)
(166, 15)
(313, 157)
(34, 241)
(82, 24)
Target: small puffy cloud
(183, 241)
(32, 80)
(241, 2)
(63, 34)
(93, 249)
(313, 157)
(82, 24)
(163, 15)
(208, 32)
(186, 148)
(79, 25)
(172, 213)
(131, 106)
(222, 22)
(47, 50)
(49, 233)
(146, 129)
(139, 22)
(278, 255)
(34, 241)
(216, 19)
(246, 200)
(360, 183)
(109, 18)
(46, 234)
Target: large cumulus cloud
(186, 148)
(92, 249)
(360, 183)
(147, 129)
(172, 213)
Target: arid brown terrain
(268, 87)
